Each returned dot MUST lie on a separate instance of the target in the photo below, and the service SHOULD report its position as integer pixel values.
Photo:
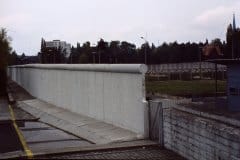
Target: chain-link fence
(198, 79)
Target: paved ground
(4, 111)
(9, 140)
(21, 115)
(47, 141)
(37, 135)
(129, 153)
(40, 136)
(8, 137)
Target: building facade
(55, 51)
(64, 46)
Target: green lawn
(185, 88)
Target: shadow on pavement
(8, 138)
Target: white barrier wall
(113, 93)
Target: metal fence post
(160, 138)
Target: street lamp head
(144, 39)
(145, 52)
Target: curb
(95, 148)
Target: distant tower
(234, 23)
(234, 39)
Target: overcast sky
(27, 21)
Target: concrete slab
(98, 127)
(95, 148)
(118, 135)
(39, 135)
(57, 145)
(149, 152)
(50, 109)
(75, 118)
(34, 125)
(11, 155)
(4, 110)
(21, 115)
(82, 126)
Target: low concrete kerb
(95, 148)
(71, 150)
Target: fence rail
(192, 70)
(185, 67)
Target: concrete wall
(112, 93)
(198, 135)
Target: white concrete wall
(112, 93)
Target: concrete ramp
(82, 126)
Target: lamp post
(94, 57)
(145, 50)
(94, 52)
(200, 60)
(99, 57)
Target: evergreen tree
(5, 49)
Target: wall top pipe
(119, 68)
